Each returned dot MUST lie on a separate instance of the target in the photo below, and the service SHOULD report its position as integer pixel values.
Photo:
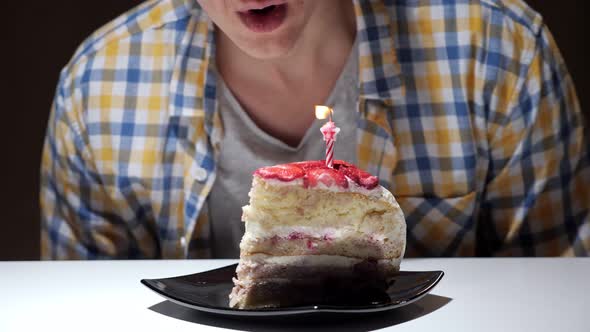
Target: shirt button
(200, 174)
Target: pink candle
(329, 131)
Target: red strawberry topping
(351, 173)
(327, 176)
(285, 172)
(311, 164)
(316, 171)
(368, 181)
(361, 177)
(342, 163)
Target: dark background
(38, 39)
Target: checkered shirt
(466, 113)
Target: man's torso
(431, 76)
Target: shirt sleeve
(80, 217)
(537, 197)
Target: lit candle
(329, 130)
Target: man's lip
(259, 4)
(264, 22)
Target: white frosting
(255, 233)
(313, 260)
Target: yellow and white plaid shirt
(466, 113)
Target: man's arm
(537, 198)
(80, 218)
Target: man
(464, 109)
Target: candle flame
(322, 112)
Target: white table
(542, 294)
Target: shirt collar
(193, 91)
(190, 81)
(379, 70)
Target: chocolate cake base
(272, 285)
(302, 292)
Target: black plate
(208, 291)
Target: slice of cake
(309, 228)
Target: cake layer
(280, 205)
(292, 220)
(300, 292)
(256, 267)
(306, 241)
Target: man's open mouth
(265, 19)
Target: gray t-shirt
(245, 147)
